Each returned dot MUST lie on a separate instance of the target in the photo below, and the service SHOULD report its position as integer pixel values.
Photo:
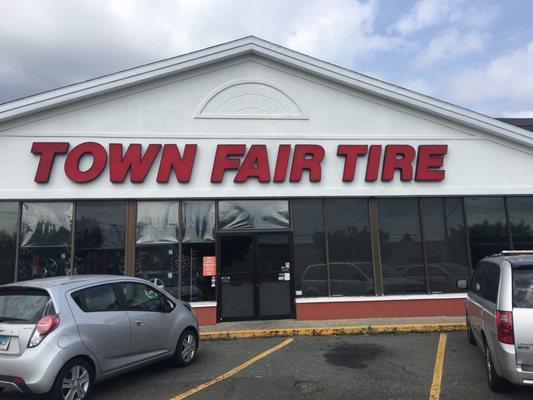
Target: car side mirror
(166, 305)
(462, 284)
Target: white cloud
(343, 31)
(62, 42)
(423, 14)
(474, 17)
(508, 77)
(451, 44)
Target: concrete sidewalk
(289, 327)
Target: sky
(477, 54)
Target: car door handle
(138, 322)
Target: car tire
(186, 348)
(79, 373)
(496, 383)
(470, 335)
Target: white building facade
(259, 183)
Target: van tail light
(504, 324)
(43, 328)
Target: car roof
(518, 260)
(71, 280)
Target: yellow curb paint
(434, 393)
(330, 331)
(233, 371)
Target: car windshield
(23, 305)
(523, 287)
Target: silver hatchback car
(499, 316)
(61, 335)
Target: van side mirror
(462, 284)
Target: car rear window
(20, 305)
(523, 287)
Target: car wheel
(186, 348)
(496, 383)
(75, 381)
(470, 335)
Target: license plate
(4, 342)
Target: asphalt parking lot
(339, 367)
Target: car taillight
(504, 325)
(44, 327)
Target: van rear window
(523, 287)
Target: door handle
(138, 322)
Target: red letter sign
(224, 160)
(307, 157)
(372, 164)
(282, 162)
(72, 168)
(133, 162)
(391, 162)
(350, 153)
(255, 165)
(172, 160)
(48, 153)
(430, 159)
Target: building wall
(176, 110)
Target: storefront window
(445, 240)
(487, 227)
(401, 247)
(9, 217)
(350, 255)
(309, 251)
(45, 240)
(199, 258)
(521, 220)
(253, 214)
(157, 250)
(100, 237)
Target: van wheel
(496, 383)
(186, 348)
(470, 335)
(74, 381)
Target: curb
(332, 331)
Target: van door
(474, 301)
(523, 313)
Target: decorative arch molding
(250, 99)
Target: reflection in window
(486, 226)
(45, 240)
(157, 250)
(100, 237)
(253, 214)
(445, 239)
(309, 252)
(521, 220)
(350, 255)
(400, 244)
(199, 261)
(198, 221)
(9, 212)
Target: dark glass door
(255, 276)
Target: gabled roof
(253, 45)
